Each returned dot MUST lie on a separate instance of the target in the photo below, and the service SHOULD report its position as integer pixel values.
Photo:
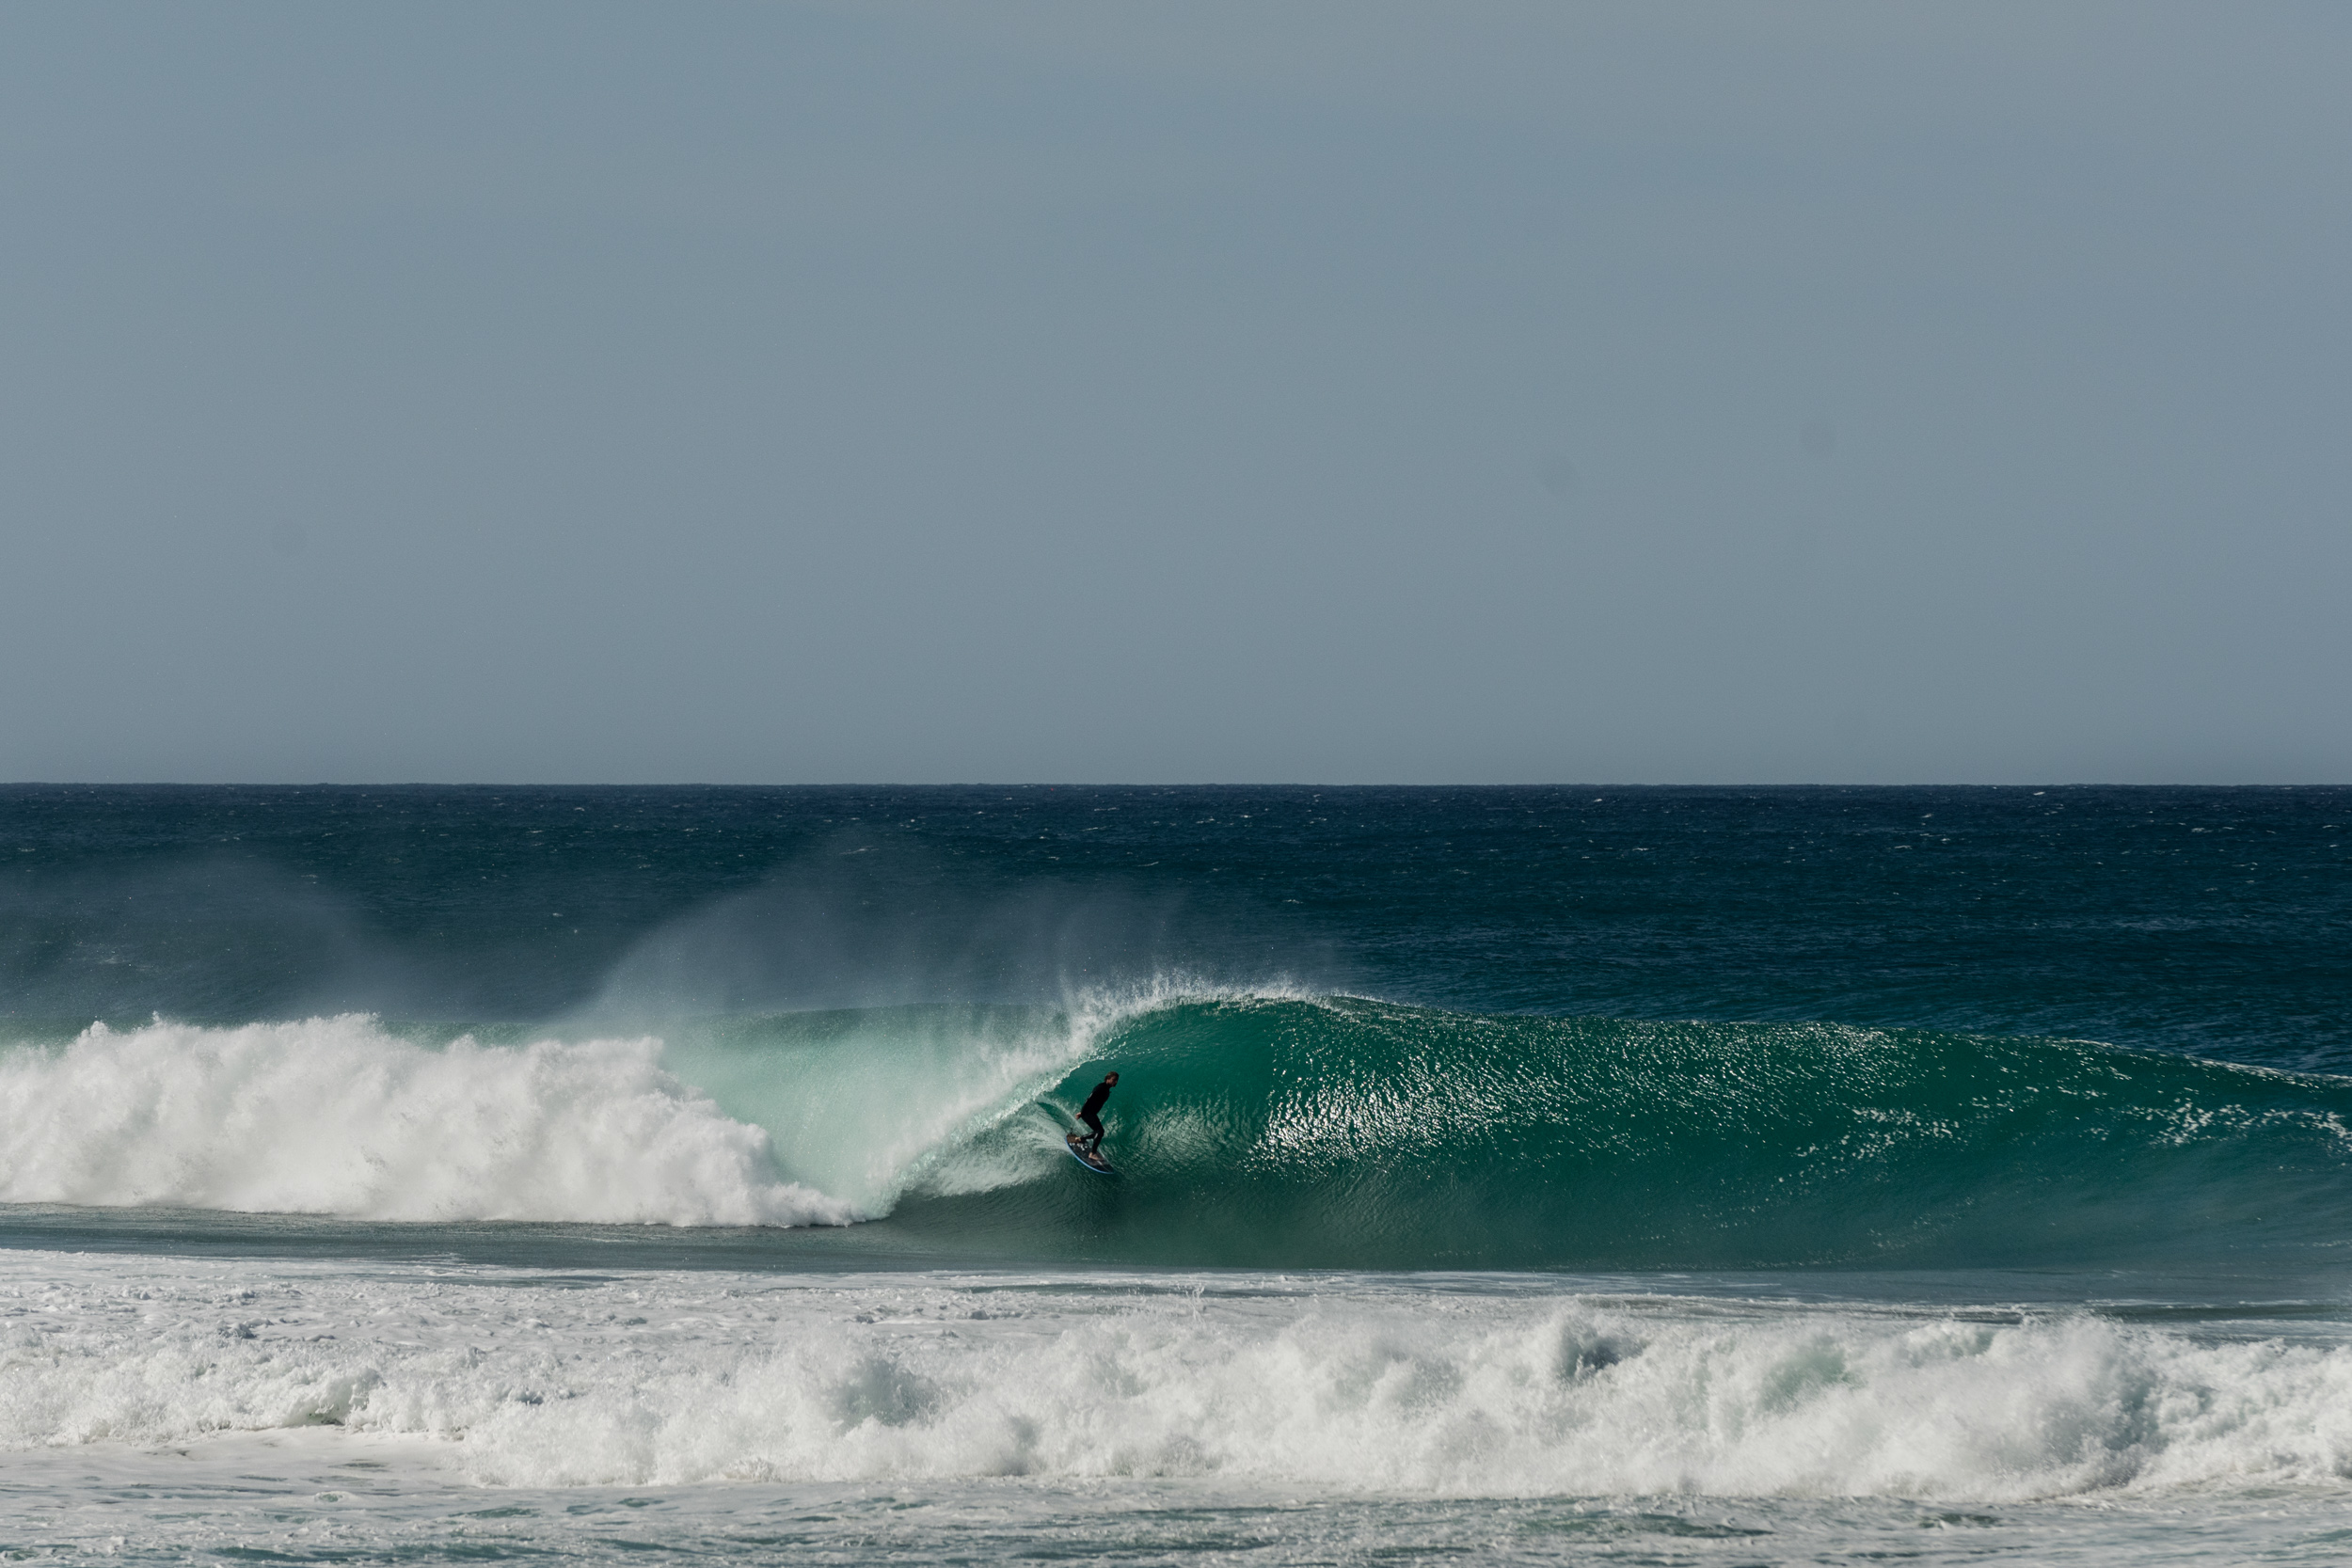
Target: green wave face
(1347, 1133)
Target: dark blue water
(2216, 921)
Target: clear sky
(1347, 392)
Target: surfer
(1089, 1113)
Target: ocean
(1505, 1175)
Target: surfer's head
(1110, 1078)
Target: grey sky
(1348, 392)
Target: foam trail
(335, 1115)
(1352, 1386)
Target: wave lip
(875, 1105)
(335, 1115)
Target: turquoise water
(1570, 1174)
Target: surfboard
(1094, 1163)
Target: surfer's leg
(1094, 1126)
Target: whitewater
(1477, 1388)
(372, 1406)
(1524, 1176)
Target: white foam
(335, 1115)
(1336, 1388)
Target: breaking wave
(1259, 1128)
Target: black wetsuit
(1087, 1114)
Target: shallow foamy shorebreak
(1467, 1385)
(457, 1408)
